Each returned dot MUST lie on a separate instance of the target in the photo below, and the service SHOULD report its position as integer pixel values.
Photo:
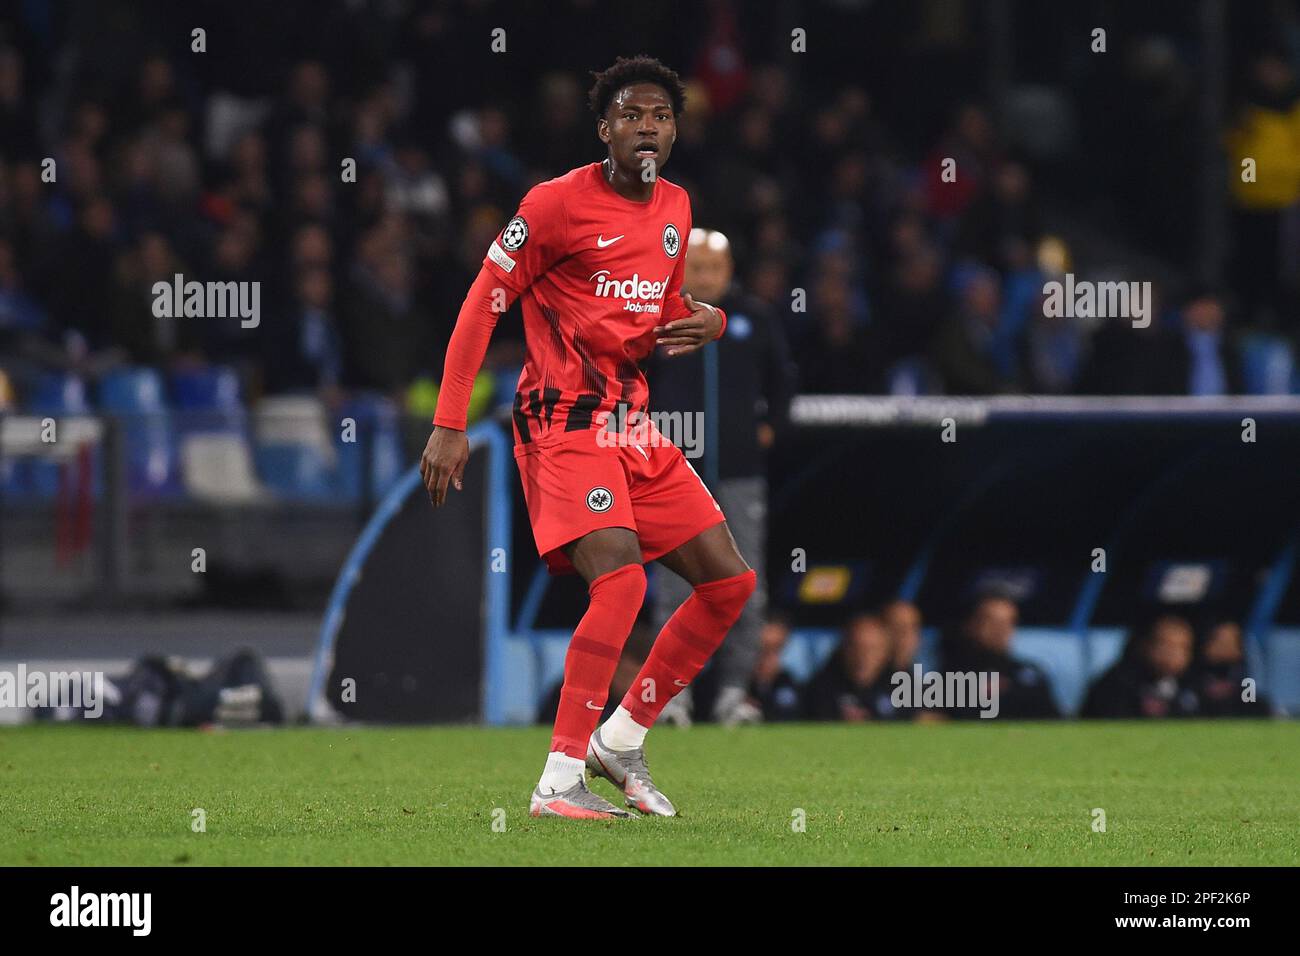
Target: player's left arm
(690, 325)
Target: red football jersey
(595, 273)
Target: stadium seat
(137, 396)
(295, 455)
(378, 435)
(219, 469)
(57, 393)
(207, 389)
(1267, 365)
(208, 400)
(37, 477)
(132, 390)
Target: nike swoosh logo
(602, 242)
(591, 706)
(682, 683)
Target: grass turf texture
(1173, 793)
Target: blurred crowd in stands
(1167, 667)
(228, 164)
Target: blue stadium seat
(132, 390)
(294, 471)
(137, 395)
(57, 393)
(207, 400)
(1267, 365)
(206, 389)
(378, 432)
(16, 479)
(295, 452)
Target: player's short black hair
(635, 69)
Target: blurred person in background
(145, 338)
(1218, 674)
(306, 353)
(386, 337)
(1152, 677)
(902, 620)
(773, 689)
(1266, 129)
(854, 684)
(971, 142)
(964, 345)
(1190, 352)
(773, 693)
(835, 356)
(914, 303)
(1207, 364)
(1055, 351)
(983, 645)
(755, 383)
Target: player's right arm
(531, 242)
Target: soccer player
(597, 257)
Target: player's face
(639, 127)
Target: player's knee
(624, 587)
(726, 597)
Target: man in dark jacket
(854, 684)
(726, 405)
(1151, 678)
(983, 646)
(1219, 675)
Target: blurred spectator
(1267, 130)
(1210, 363)
(773, 689)
(145, 338)
(1152, 678)
(971, 150)
(1003, 221)
(983, 646)
(835, 358)
(913, 306)
(854, 683)
(1055, 351)
(902, 620)
(307, 351)
(1219, 674)
(965, 343)
(387, 338)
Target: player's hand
(443, 461)
(683, 336)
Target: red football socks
(686, 643)
(593, 655)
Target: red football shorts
(581, 481)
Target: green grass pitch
(1019, 794)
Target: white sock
(561, 773)
(621, 732)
